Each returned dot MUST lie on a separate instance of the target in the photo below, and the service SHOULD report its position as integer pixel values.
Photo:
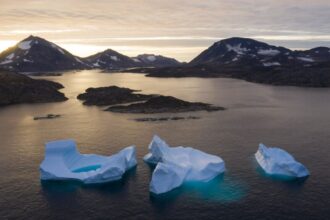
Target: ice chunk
(275, 161)
(175, 165)
(64, 162)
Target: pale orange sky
(176, 28)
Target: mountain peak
(37, 54)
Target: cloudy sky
(176, 28)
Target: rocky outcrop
(17, 88)
(163, 104)
(111, 95)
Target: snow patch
(6, 62)
(58, 48)
(151, 58)
(24, 45)
(27, 61)
(305, 59)
(271, 64)
(78, 60)
(114, 58)
(237, 49)
(136, 60)
(268, 52)
(10, 56)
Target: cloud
(170, 22)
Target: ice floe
(175, 165)
(64, 162)
(275, 161)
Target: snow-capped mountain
(110, 59)
(151, 60)
(249, 52)
(35, 54)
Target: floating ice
(175, 165)
(275, 161)
(64, 162)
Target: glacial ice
(278, 162)
(64, 162)
(175, 165)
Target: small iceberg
(175, 165)
(64, 162)
(278, 162)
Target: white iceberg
(175, 165)
(64, 162)
(278, 162)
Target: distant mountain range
(35, 54)
(255, 61)
(241, 58)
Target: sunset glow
(180, 29)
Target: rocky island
(163, 104)
(116, 97)
(111, 95)
(17, 88)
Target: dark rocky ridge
(111, 95)
(17, 88)
(35, 54)
(255, 61)
(151, 60)
(163, 104)
(111, 60)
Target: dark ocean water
(296, 119)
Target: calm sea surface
(296, 119)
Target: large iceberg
(175, 165)
(278, 162)
(64, 162)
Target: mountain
(35, 54)
(248, 52)
(151, 60)
(255, 61)
(112, 60)
(17, 88)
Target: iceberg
(278, 162)
(175, 165)
(64, 162)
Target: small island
(17, 88)
(163, 104)
(124, 100)
(111, 95)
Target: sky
(176, 28)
